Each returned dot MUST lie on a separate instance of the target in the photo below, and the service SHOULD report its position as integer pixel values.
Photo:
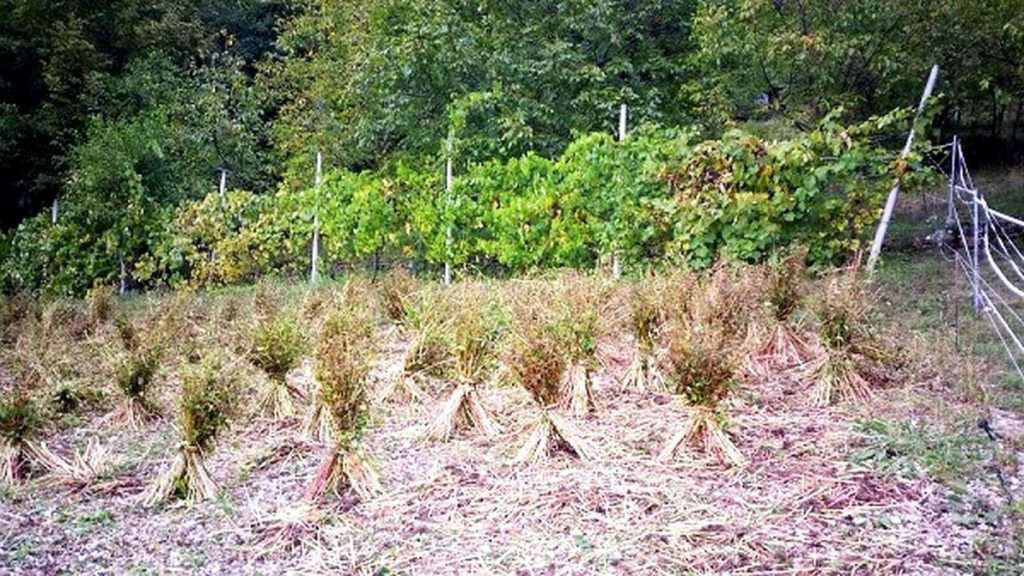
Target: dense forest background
(132, 107)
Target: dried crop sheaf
(471, 342)
(536, 358)
(207, 402)
(850, 347)
(276, 348)
(702, 362)
(582, 317)
(20, 425)
(428, 319)
(357, 328)
(344, 356)
(647, 322)
(781, 346)
(135, 370)
(394, 292)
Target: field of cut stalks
(726, 422)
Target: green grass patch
(910, 450)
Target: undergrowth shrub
(659, 195)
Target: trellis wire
(987, 243)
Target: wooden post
(314, 274)
(616, 257)
(890, 203)
(448, 239)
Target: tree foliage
(753, 124)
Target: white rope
(1002, 250)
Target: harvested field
(800, 507)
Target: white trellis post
(622, 122)
(616, 258)
(448, 233)
(124, 278)
(223, 181)
(890, 203)
(315, 256)
(54, 210)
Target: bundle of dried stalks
(471, 341)
(647, 320)
(20, 423)
(286, 530)
(582, 318)
(850, 347)
(355, 331)
(702, 364)
(703, 368)
(102, 302)
(394, 293)
(344, 357)
(551, 433)
(781, 347)
(536, 359)
(428, 315)
(276, 348)
(317, 302)
(87, 471)
(135, 374)
(65, 317)
(206, 403)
